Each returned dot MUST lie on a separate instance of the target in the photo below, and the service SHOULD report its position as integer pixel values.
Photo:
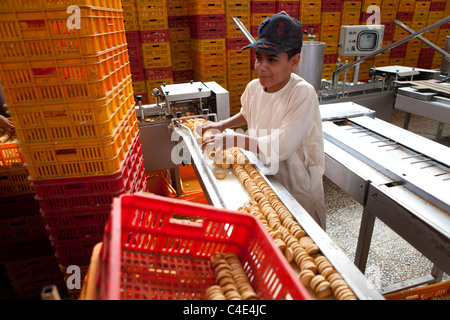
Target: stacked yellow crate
(310, 14)
(155, 42)
(330, 21)
(133, 35)
(180, 40)
(68, 86)
(238, 61)
(208, 33)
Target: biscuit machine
(172, 101)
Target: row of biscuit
(316, 272)
(7, 136)
(231, 280)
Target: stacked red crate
(74, 114)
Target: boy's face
(274, 71)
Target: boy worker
(281, 111)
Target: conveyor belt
(399, 177)
(229, 193)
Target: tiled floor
(391, 259)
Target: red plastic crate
(290, 7)
(78, 217)
(208, 33)
(32, 288)
(155, 36)
(22, 228)
(31, 267)
(146, 230)
(18, 206)
(178, 21)
(25, 248)
(236, 43)
(75, 232)
(207, 21)
(75, 247)
(183, 75)
(262, 6)
(331, 5)
(133, 37)
(134, 50)
(437, 6)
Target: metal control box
(360, 40)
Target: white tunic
(288, 128)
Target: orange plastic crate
(208, 45)
(152, 10)
(44, 33)
(10, 157)
(64, 132)
(72, 112)
(81, 158)
(56, 4)
(153, 50)
(145, 239)
(207, 7)
(59, 79)
(153, 23)
(422, 293)
(237, 7)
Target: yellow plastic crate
(237, 7)
(208, 45)
(152, 10)
(330, 18)
(155, 49)
(182, 33)
(220, 78)
(208, 7)
(151, 84)
(111, 66)
(257, 18)
(55, 130)
(74, 112)
(53, 93)
(351, 7)
(81, 158)
(56, 4)
(139, 86)
(238, 68)
(155, 23)
(157, 61)
(181, 65)
(406, 5)
(42, 24)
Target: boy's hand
(213, 126)
(6, 124)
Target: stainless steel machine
(176, 101)
(397, 176)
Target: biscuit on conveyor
(220, 175)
